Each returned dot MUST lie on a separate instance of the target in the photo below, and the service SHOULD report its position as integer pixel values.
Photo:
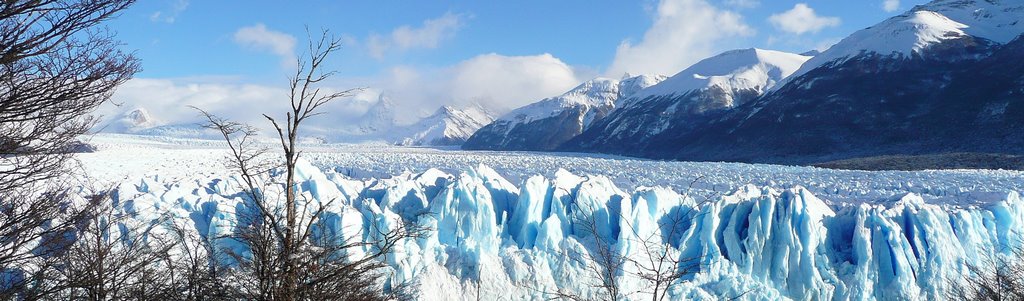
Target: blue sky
(502, 54)
(191, 38)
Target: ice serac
(490, 239)
(546, 124)
(687, 99)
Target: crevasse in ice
(492, 239)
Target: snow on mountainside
(942, 21)
(944, 78)
(548, 123)
(734, 72)
(379, 118)
(596, 93)
(718, 83)
(448, 126)
(630, 85)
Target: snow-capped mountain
(378, 119)
(943, 77)
(630, 85)
(448, 126)
(139, 121)
(132, 120)
(712, 85)
(546, 124)
(731, 74)
(928, 31)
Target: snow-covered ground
(128, 156)
(510, 231)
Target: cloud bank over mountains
(684, 32)
(681, 33)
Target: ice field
(504, 224)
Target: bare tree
(56, 67)
(306, 99)
(288, 255)
(996, 279)
(600, 259)
(603, 261)
(661, 264)
(114, 256)
(193, 269)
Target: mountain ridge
(947, 86)
(546, 124)
(712, 85)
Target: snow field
(761, 232)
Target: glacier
(495, 240)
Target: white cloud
(802, 19)
(169, 100)
(510, 81)
(743, 3)
(684, 31)
(494, 81)
(890, 5)
(497, 82)
(258, 37)
(428, 36)
(175, 7)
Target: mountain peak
(813, 52)
(545, 124)
(138, 117)
(914, 32)
(629, 86)
(447, 126)
(595, 87)
(444, 111)
(750, 68)
(379, 117)
(995, 20)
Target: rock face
(712, 86)
(549, 123)
(132, 120)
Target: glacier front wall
(492, 240)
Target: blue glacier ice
(498, 240)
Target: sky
(232, 57)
